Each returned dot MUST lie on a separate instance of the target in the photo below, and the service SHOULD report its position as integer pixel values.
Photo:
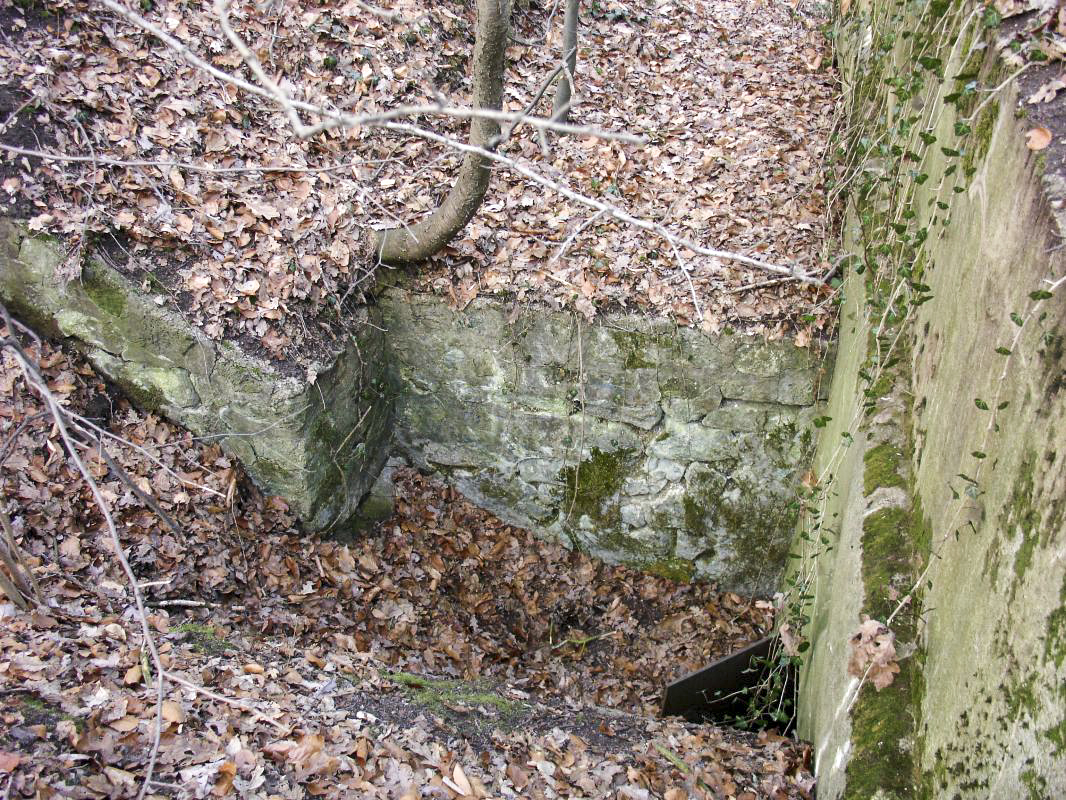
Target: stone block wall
(635, 440)
(639, 441)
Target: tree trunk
(418, 242)
(561, 107)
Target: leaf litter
(445, 654)
(735, 100)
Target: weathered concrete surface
(638, 441)
(320, 445)
(980, 709)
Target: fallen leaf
(460, 780)
(173, 712)
(1038, 138)
(9, 761)
(873, 653)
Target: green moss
(885, 555)
(881, 468)
(882, 762)
(589, 487)
(1021, 699)
(104, 291)
(144, 395)
(884, 722)
(632, 345)
(1055, 641)
(444, 696)
(204, 638)
(1056, 734)
(1022, 517)
(1036, 785)
(695, 516)
(756, 525)
(674, 569)
(982, 136)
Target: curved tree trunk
(418, 242)
(561, 106)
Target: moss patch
(674, 569)
(1021, 516)
(882, 763)
(982, 136)
(589, 487)
(632, 345)
(885, 557)
(1055, 640)
(204, 638)
(447, 697)
(108, 297)
(756, 525)
(881, 468)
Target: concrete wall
(318, 443)
(640, 442)
(978, 709)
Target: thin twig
(59, 416)
(227, 700)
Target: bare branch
(59, 416)
(334, 119)
(607, 208)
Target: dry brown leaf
(1038, 138)
(873, 653)
(224, 782)
(9, 761)
(173, 712)
(460, 780)
(133, 675)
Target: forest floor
(445, 654)
(734, 101)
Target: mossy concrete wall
(958, 439)
(319, 444)
(638, 441)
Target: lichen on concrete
(958, 515)
(320, 445)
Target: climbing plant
(924, 84)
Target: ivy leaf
(1003, 351)
(981, 404)
(1040, 294)
(1016, 318)
(979, 454)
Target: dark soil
(18, 124)
(19, 128)
(1051, 115)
